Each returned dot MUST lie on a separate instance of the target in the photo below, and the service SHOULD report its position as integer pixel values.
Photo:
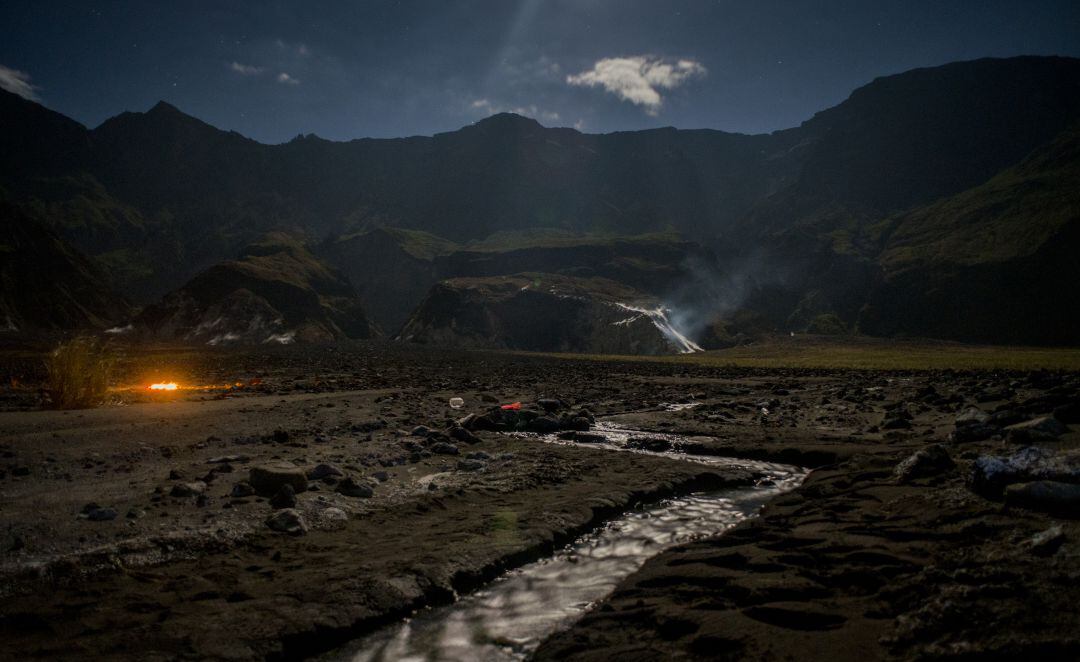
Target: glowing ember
(171, 386)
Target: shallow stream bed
(511, 616)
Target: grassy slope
(1010, 216)
(869, 354)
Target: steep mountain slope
(276, 291)
(997, 262)
(543, 312)
(45, 283)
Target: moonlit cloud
(246, 69)
(17, 82)
(287, 79)
(639, 79)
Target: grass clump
(78, 373)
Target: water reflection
(508, 618)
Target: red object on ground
(513, 405)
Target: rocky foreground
(344, 492)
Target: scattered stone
(96, 513)
(285, 497)
(929, 461)
(470, 465)
(478, 455)
(242, 489)
(444, 448)
(550, 405)
(20, 471)
(972, 416)
(1068, 413)
(1046, 543)
(896, 423)
(175, 475)
(187, 490)
(281, 436)
(421, 431)
(351, 488)
(974, 432)
(321, 471)
(1049, 496)
(288, 521)
(381, 476)
(225, 459)
(334, 518)
(543, 425)
(463, 435)
(1045, 428)
(267, 479)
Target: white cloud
(287, 79)
(18, 82)
(639, 79)
(246, 69)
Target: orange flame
(169, 386)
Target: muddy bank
(122, 534)
(201, 575)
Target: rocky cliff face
(276, 292)
(543, 312)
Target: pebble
(288, 521)
(285, 497)
(351, 488)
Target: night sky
(272, 70)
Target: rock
(267, 479)
(896, 423)
(1048, 496)
(487, 397)
(242, 489)
(655, 444)
(96, 513)
(101, 515)
(1044, 428)
(1045, 543)
(461, 434)
(578, 423)
(584, 437)
(20, 471)
(225, 459)
(1068, 413)
(185, 490)
(478, 455)
(288, 521)
(990, 474)
(285, 497)
(543, 425)
(444, 448)
(323, 470)
(420, 431)
(550, 405)
(972, 416)
(334, 518)
(470, 465)
(281, 436)
(175, 475)
(929, 461)
(483, 422)
(975, 432)
(381, 476)
(351, 488)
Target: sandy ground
(855, 564)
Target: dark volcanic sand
(851, 565)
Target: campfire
(165, 386)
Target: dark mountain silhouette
(47, 284)
(157, 197)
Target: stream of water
(511, 616)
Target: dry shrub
(79, 372)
